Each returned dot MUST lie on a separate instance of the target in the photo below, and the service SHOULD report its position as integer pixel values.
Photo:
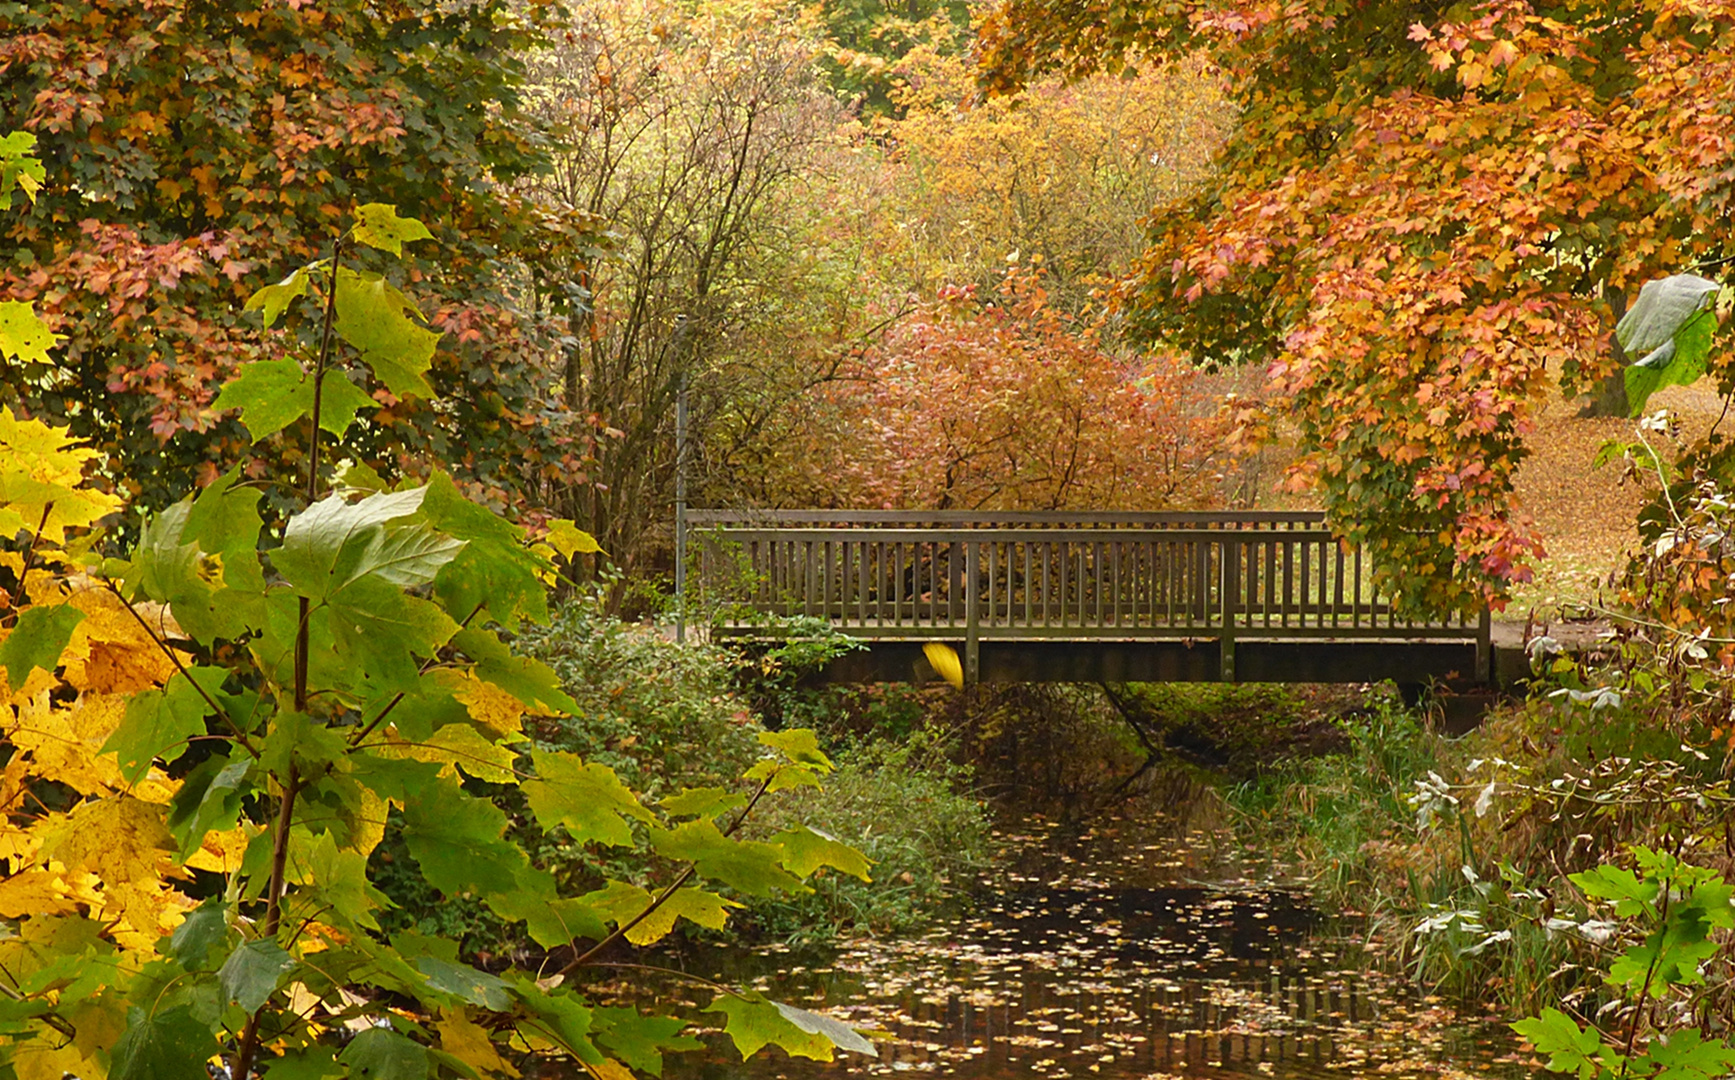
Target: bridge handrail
(1216, 520)
(981, 576)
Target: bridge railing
(891, 575)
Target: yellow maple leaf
(221, 852)
(63, 743)
(120, 837)
(110, 652)
(457, 746)
(42, 480)
(490, 706)
(469, 1042)
(33, 893)
(46, 1054)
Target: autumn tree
(192, 150)
(1418, 226)
(1009, 403)
(1062, 171)
(694, 132)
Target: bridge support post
(1228, 586)
(1485, 648)
(972, 617)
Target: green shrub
(906, 806)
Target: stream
(1140, 944)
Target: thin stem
(319, 368)
(30, 553)
(362, 733)
(248, 1047)
(662, 897)
(240, 736)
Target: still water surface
(1138, 947)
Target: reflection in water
(1100, 953)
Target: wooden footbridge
(1244, 596)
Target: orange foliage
(1012, 405)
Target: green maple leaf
(464, 981)
(495, 572)
(274, 300)
(20, 169)
(381, 322)
(272, 394)
(638, 1040)
(531, 681)
(457, 839)
(337, 880)
(157, 721)
(383, 1054)
(23, 334)
(799, 745)
(253, 972)
(1630, 895)
(342, 556)
(746, 865)
(754, 1022)
(705, 802)
(378, 225)
(1570, 1047)
(209, 798)
(313, 1063)
(1686, 1055)
(567, 1018)
(806, 850)
(588, 799)
(37, 641)
(156, 1045)
(204, 931)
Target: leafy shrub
(906, 806)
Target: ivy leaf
(640, 1040)
(588, 799)
(806, 850)
(754, 1022)
(272, 394)
(375, 317)
(747, 865)
(383, 1054)
(37, 640)
(23, 334)
(252, 973)
(464, 981)
(274, 300)
(1570, 1048)
(378, 225)
(170, 1043)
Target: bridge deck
(1187, 596)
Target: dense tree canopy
(193, 150)
(1423, 219)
